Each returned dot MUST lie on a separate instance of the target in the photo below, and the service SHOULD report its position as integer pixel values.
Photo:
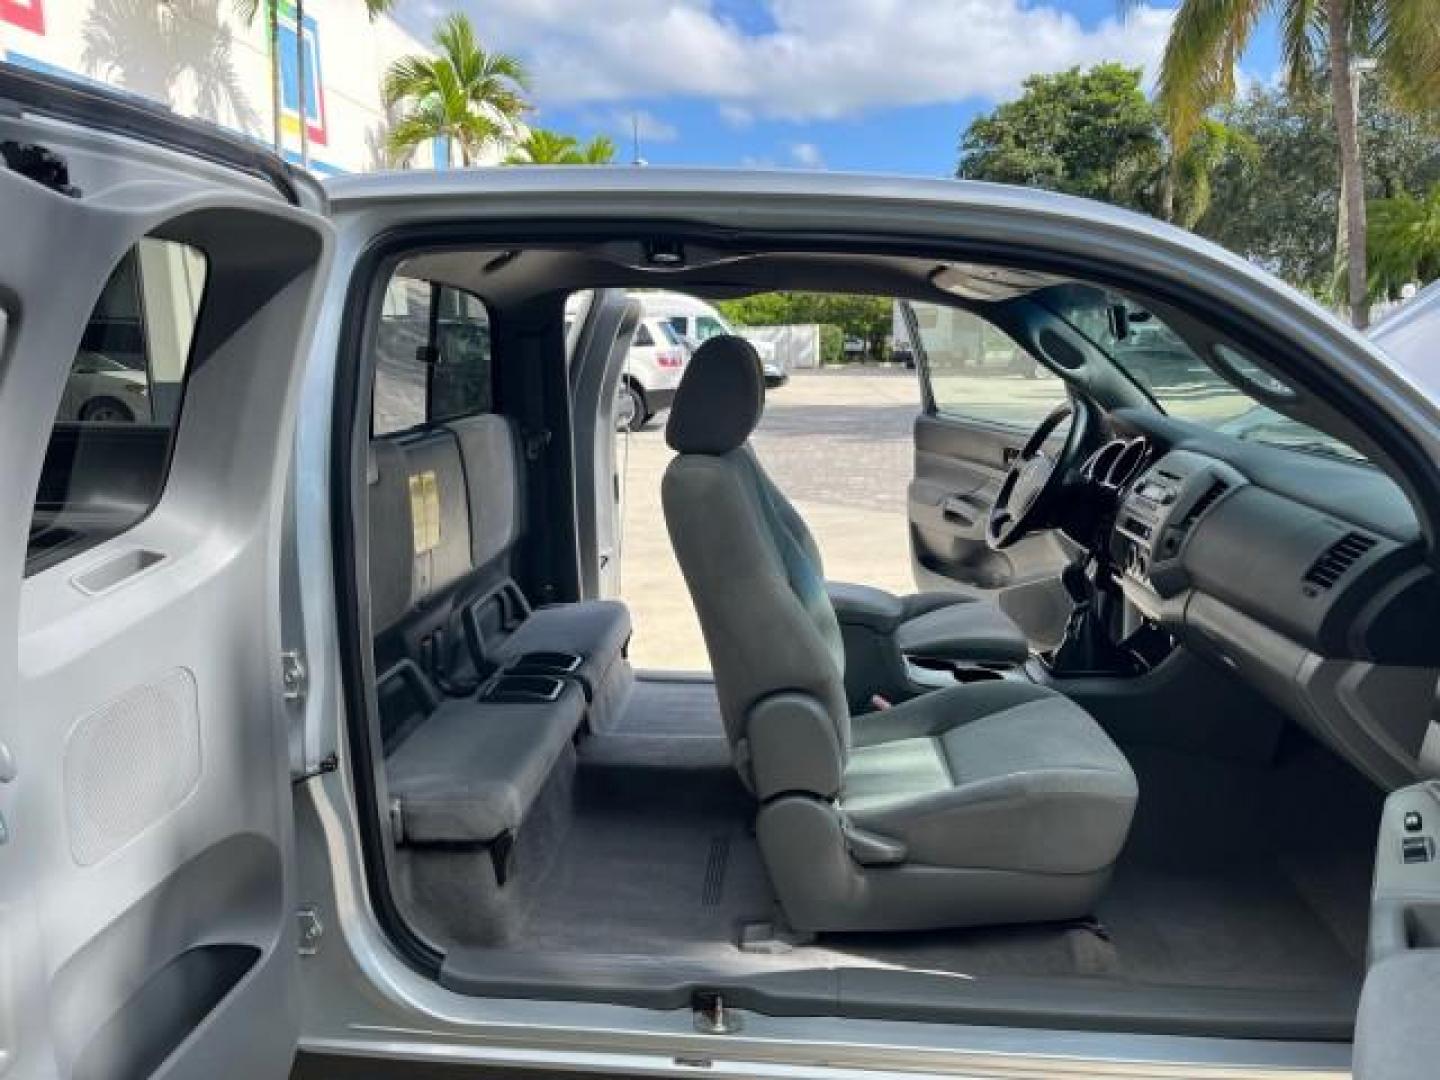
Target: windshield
(1180, 382)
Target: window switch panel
(1417, 849)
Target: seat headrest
(720, 398)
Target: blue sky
(860, 85)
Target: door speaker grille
(130, 763)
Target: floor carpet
(660, 862)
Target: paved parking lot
(838, 444)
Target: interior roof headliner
(533, 271)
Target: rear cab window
(433, 356)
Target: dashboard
(1304, 576)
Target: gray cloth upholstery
(391, 548)
(433, 456)
(881, 630)
(762, 635)
(471, 772)
(595, 630)
(966, 778)
(997, 802)
(719, 400)
(491, 461)
(964, 630)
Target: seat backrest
(751, 565)
(489, 452)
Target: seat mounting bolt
(712, 1017)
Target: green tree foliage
(1320, 40)
(865, 317)
(468, 95)
(1090, 133)
(1274, 200)
(541, 147)
(1404, 241)
(1095, 134)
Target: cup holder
(547, 663)
(531, 689)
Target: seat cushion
(973, 630)
(471, 771)
(596, 630)
(999, 776)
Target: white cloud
(823, 59)
(807, 155)
(650, 126)
(736, 116)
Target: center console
(1158, 512)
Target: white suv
(695, 321)
(653, 367)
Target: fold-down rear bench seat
(471, 772)
(479, 788)
(595, 631)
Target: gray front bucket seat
(991, 803)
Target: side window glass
(707, 327)
(109, 450)
(460, 383)
(432, 356)
(677, 324)
(976, 372)
(642, 336)
(401, 368)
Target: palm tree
(1404, 241)
(1183, 185)
(543, 147)
(467, 95)
(599, 151)
(1208, 37)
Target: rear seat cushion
(597, 630)
(471, 771)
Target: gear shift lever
(1087, 646)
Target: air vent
(1209, 499)
(1337, 559)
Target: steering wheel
(1028, 491)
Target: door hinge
(293, 675)
(311, 930)
(43, 166)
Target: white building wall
(201, 59)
